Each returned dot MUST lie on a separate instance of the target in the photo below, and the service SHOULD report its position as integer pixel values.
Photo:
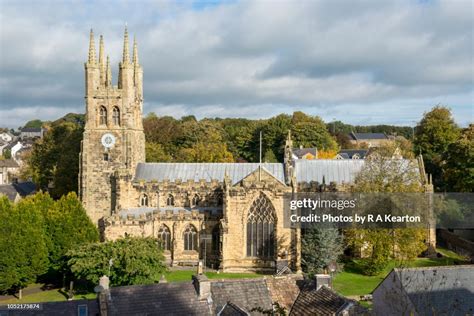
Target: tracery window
(103, 116)
(164, 237)
(170, 200)
(144, 200)
(190, 238)
(261, 228)
(116, 116)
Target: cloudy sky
(364, 62)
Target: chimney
(322, 279)
(202, 286)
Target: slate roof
(285, 290)
(158, 299)
(8, 163)
(67, 308)
(367, 136)
(22, 189)
(351, 152)
(9, 191)
(300, 152)
(319, 302)
(245, 293)
(230, 309)
(31, 130)
(447, 290)
(206, 171)
(25, 188)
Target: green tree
(458, 169)
(433, 135)
(269, 156)
(274, 133)
(34, 124)
(54, 160)
(156, 153)
(23, 249)
(383, 174)
(7, 154)
(311, 131)
(68, 226)
(238, 135)
(319, 248)
(130, 261)
(205, 152)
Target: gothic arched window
(261, 228)
(170, 200)
(144, 200)
(164, 237)
(116, 116)
(190, 238)
(103, 116)
(196, 199)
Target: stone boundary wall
(456, 243)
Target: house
(9, 169)
(352, 154)
(32, 132)
(6, 137)
(447, 290)
(15, 191)
(304, 153)
(369, 139)
(211, 297)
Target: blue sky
(364, 62)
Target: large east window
(261, 229)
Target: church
(229, 215)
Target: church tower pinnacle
(91, 60)
(114, 141)
(126, 53)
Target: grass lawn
(47, 296)
(351, 281)
(185, 275)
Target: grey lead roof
(332, 170)
(339, 171)
(206, 171)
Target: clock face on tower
(108, 140)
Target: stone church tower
(114, 141)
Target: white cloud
(326, 58)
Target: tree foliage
(383, 174)
(23, 247)
(126, 261)
(458, 168)
(433, 135)
(67, 226)
(319, 248)
(54, 160)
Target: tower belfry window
(116, 116)
(170, 200)
(144, 200)
(103, 116)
